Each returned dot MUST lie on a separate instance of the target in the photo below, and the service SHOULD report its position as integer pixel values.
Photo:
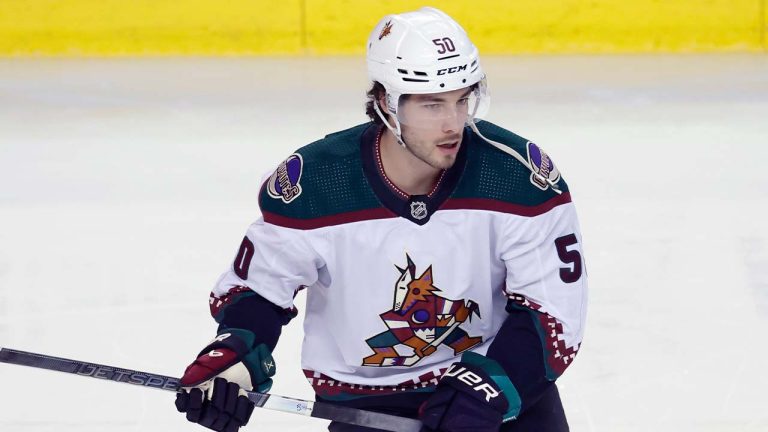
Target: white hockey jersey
(398, 286)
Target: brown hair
(375, 94)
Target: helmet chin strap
(397, 133)
(515, 155)
(471, 123)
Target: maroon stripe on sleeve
(505, 207)
(324, 221)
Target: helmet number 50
(445, 44)
(568, 274)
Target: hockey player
(440, 253)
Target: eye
(432, 106)
(463, 101)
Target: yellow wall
(233, 27)
(764, 25)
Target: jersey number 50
(568, 274)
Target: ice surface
(126, 186)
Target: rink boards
(325, 27)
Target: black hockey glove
(212, 386)
(468, 398)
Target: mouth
(449, 146)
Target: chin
(444, 164)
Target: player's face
(433, 125)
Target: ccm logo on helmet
(452, 70)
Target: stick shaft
(262, 400)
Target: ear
(427, 276)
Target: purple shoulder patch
(284, 184)
(543, 167)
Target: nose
(453, 122)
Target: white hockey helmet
(424, 52)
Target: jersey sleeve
(272, 261)
(546, 289)
(256, 293)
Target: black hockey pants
(546, 415)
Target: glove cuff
(256, 359)
(238, 340)
(473, 381)
(262, 367)
(496, 373)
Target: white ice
(126, 186)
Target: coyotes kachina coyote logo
(422, 321)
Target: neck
(409, 173)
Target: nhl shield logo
(284, 182)
(419, 210)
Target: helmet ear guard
(397, 130)
(392, 106)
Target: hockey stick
(320, 410)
